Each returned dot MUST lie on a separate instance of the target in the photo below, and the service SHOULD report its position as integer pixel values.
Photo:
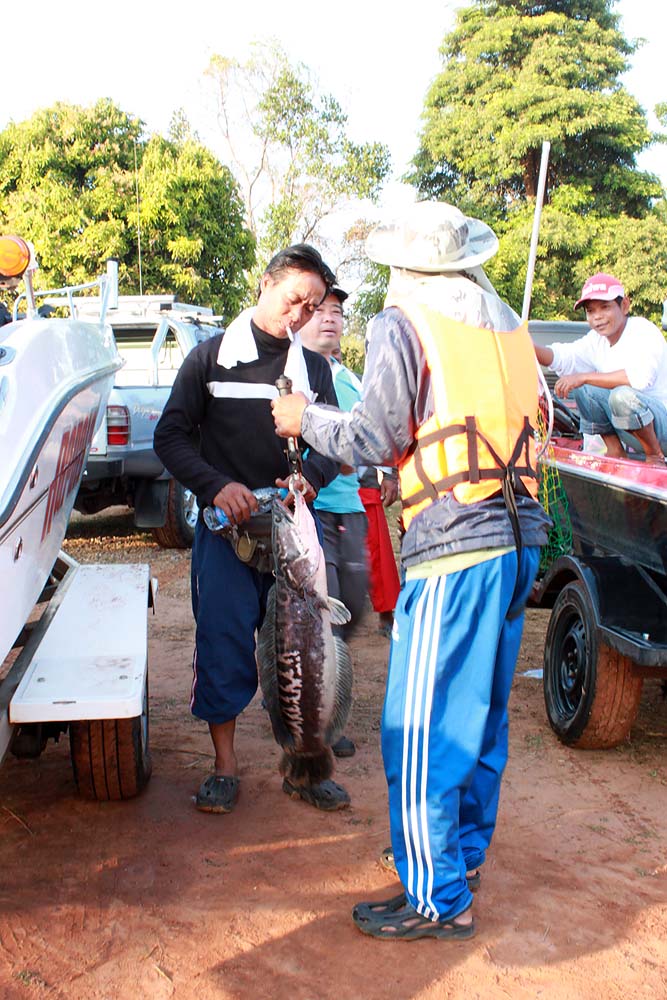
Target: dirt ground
(151, 899)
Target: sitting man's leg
(594, 407)
(641, 416)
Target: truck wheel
(590, 690)
(178, 530)
(111, 757)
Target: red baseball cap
(604, 287)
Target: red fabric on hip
(383, 582)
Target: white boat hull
(55, 378)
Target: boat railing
(106, 283)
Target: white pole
(136, 183)
(539, 201)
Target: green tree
(192, 224)
(353, 352)
(515, 74)
(288, 147)
(82, 182)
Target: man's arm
(380, 429)
(177, 428)
(544, 355)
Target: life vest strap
(473, 474)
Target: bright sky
(377, 59)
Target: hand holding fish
(287, 413)
(307, 491)
(237, 501)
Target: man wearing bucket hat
(616, 373)
(449, 395)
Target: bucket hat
(432, 236)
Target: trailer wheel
(111, 757)
(178, 530)
(590, 690)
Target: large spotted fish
(305, 671)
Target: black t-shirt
(217, 426)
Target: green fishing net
(553, 498)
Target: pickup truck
(153, 335)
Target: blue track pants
(444, 727)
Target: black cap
(338, 292)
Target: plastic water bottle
(216, 520)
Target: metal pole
(136, 184)
(539, 201)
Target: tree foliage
(353, 352)
(288, 147)
(84, 183)
(515, 74)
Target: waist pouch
(251, 542)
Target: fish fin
(307, 769)
(267, 673)
(343, 694)
(314, 602)
(339, 613)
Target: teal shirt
(341, 496)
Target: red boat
(608, 594)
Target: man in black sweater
(216, 436)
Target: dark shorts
(344, 547)
(228, 603)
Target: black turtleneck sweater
(217, 426)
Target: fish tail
(307, 769)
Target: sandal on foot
(377, 909)
(217, 794)
(473, 879)
(396, 919)
(328, 795)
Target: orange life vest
(480, 439)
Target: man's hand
(388, 490)
(567, 383)
(309, 493)
(287, 413)
(237, 501)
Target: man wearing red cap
(616, 373)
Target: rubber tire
(178, 530)
(111, 757)
(590, 690)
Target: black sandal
(396, 919)
(327, 795)
(218, 793)
(474, 879)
